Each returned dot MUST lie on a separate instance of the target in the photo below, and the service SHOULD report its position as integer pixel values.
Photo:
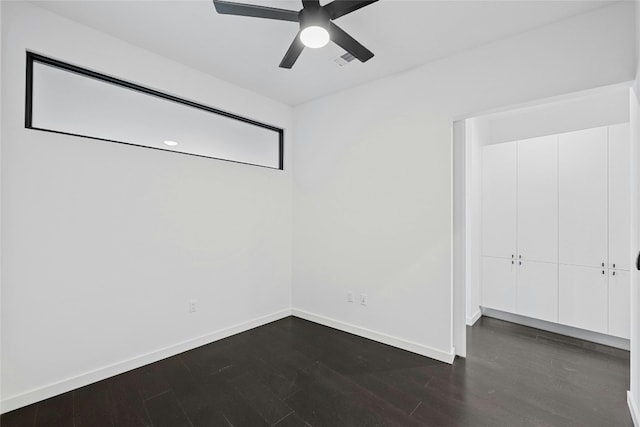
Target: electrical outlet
(192, 306)
(363, 299)
(349, 296)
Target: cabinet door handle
(614, 266)
(519, 262)
(638, 262)
(603, 264)
(602, 271)
(614, 273)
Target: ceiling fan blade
(338, 8)
(242, 9)
(348, 43)
(293, 53)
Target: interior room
(319, 213)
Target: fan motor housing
(313, 16)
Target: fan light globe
(314, 37)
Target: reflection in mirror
(67, 99)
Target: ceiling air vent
(343, 60)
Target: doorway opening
(541, 217)
(546, 213)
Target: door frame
(633, 395)
(458, 238)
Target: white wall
(104, 244)
(476, 138)
(372, 166)
(459, 236)
(604, 107)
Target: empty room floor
(296, 373)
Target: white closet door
(619, 197)
(538, 290)
(583, 297)
(538, 199)
(499, 284)
(583, 197)
(499, 200)
(619, 303)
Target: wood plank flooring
(297, 373)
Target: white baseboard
(35, 395)
(473, 319)
(633, 409)
(411, 346)
(557, 328)
(23, 399)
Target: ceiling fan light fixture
(316, 25)
(314, 36)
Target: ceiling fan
(316, 26)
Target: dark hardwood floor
(297, 373)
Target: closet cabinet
(537, 284)
(528, 288)
(594, 185)
(619, 303)
(619, 226)
(619, 188)
(537, 172)
(520, 227)
(582, 196)
(499, 208)
(556, 219)
(583, 294)
(499, 283)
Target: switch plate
(192, 306)
(349, 296)
(363, 299)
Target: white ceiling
(246, 51)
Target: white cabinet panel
(538, 199)
(559, 199)
(499, 200)
(538, 290)
(619, 303)
(583, 197)
(619, 197)
(499, 284)
(583, 297)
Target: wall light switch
(349, 296)
(192, 306)
(363, 299)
